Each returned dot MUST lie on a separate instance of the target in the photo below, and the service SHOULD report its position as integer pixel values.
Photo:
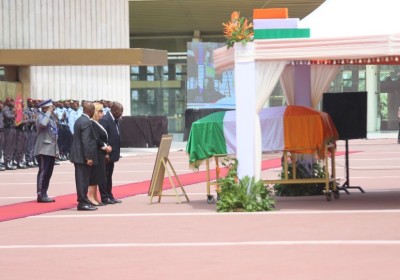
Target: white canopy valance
(311, 49)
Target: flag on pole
(19, 114)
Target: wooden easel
(161, 165)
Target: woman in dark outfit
(98, 172)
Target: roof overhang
(59, 57)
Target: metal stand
(346, 184)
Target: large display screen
(348, 111)
(206, 88)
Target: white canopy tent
(258, 65)
(345, 18)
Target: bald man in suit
(84, 155)
(110, 122)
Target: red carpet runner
(32, 208)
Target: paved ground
(354, 237)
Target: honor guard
(61, 114)
(20, 143)
(73, 115)
(9, 133)
(30, 112)
(68, 110)
(46, 149)
(2, 167)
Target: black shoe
(86, 207)
(2, 167)
(99, 204)
(108, 201)
(21, 165)
(30, 164)
(45, 199)
(9, 166)
(117, 200)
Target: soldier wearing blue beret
(46, 148)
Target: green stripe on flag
(281, 33)
(206, 138)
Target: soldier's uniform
(2, 167)
(20, 143)
(30, 113)
(37, 111)
(60, 112)
(68, 111)
(46, 149)
(73, 116)
(9, 133)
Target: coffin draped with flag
(293, 128)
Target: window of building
(163, 98)
(388, 80)
(349, 79)
(134, 73)
(181, 72)
(2, 74)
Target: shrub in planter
(245, 195)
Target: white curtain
(287, 83)
(267, 75)
(321, 77)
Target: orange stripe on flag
(270, 13)
(307, 128)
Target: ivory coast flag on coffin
(294, 128)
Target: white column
(371, 73)
(245, 90)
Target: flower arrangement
(238, 29)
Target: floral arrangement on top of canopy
(238, 29)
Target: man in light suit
(111, 124)
(84, 155)
(46, 149)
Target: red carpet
(32, 208)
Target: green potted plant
(301, 189)
(242, 195)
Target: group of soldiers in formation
(18, 137)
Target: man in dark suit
(84, 155)
(111, 124)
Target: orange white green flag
(19, 113)
(282, 128)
